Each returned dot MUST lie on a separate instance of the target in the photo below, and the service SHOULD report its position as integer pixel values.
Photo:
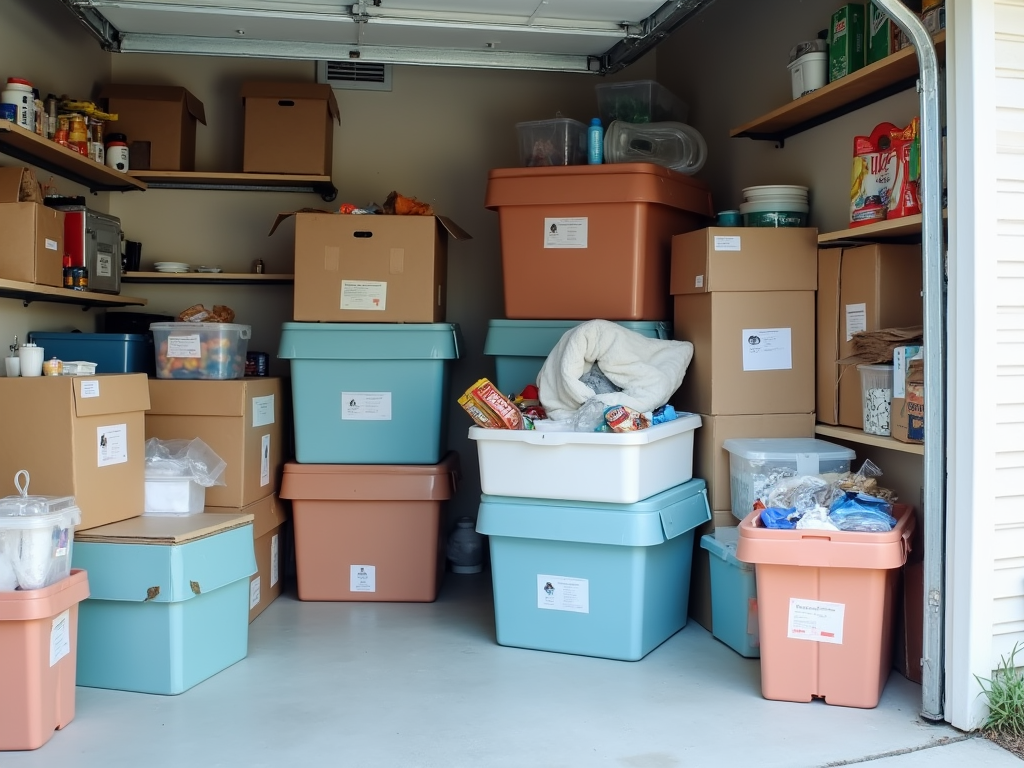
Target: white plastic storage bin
(758, 463)
(36, 535)
(174, 496)
(617, 468)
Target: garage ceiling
(600, 36)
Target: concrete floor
(383, 685)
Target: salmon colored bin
(369, 532)
(581, 242)
(826, 604)
(38, 647)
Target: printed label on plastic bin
(767, 349)
(89, 388)
(364, 294)
(111, 445)
(727, 243)
(815, 620)
(184, 346)
(265, 461)
(566, 233)
(254, 593)
(563, 593)
(263, 411)
(362, 578)
(366, 406)
(856, 319)
(275, 561)
(60, 637)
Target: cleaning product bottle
(595, 142)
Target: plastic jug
(674, 145)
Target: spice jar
(117, 152)
(257, 266)
(78, 134)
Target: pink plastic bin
(826, 603)
(38, 646)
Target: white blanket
(648, 371)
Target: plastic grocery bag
(193, 459)
(860, 512)
(784, 519)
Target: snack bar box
(607, 580)
(170, 601)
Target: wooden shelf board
(902, 227)
(236, 181)
(211, 278)
(13, 289)
(34, 149)
(879, 79)
(859, 436)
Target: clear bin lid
(23, 505)
(199, 327)
(785, 449)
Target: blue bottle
(595, 142)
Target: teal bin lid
(643, 524)
(724, 551)
(369, 341)
(536, 338)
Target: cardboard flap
(454, 229)
(267, 514)
(282, 216)
(163, 531)
(156, 93)
(197, 398)
(110, 393)
(195, 107)
(10, 183)
(286, 90)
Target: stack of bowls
(775, 205)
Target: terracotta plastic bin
(826, 606)
(38, 650)
(369, 533)
(581, 226)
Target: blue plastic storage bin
(733, 597)
(520, 347)
(169, 601)
(112, 352)
(607, 580)
(370, 393)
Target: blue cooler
(112, 352)
(607, 580)
(370, 393)
(169, 601)
(733, 595)
(520, 347)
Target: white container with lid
(19, 93)
(756, 464)
(809, 73)
(774, 191)
(876, 391)
(173, 496)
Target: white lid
(788, 189)
(785, 449)
(198, 327)
(66, 518)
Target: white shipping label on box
(254, 593)
(265, 461)
(566, 233)
(184, 346)
(104, 265)
(263, 411)
(563, 593)
(60, 637)
(51, 245)
(90, 388)
(727, 243)
(364, 294)
(767, 349)
(366, 406)
(275, 561)
(698, 282)
(815, 620)
(111, 445)
(856, 319)
(362, 578)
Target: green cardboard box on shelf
(884, 37)
(847, 38)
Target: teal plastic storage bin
(112, 352)
(607, 580)
(369, 393)
(520, 347)
(169, 601)
(733, 595)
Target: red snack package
(622, 418)
(489, 408)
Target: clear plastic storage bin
(560, 141)
(756, 464)
(639, 101)
(200, 350)
(36, 534)
(876, 391)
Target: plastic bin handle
(244, 333)
(816, 535)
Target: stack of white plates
(775, 197)
(171, 266)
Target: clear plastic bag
(193, 459)
(860, 512)
(589, 417)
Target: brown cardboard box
(700, 572)
(371, 269)
(163, 115)
(32, 244)
(80, 436)
(744, 259)
(711, 460)
(240, 420)
(859, 289)
(753, 352)
(269, 517)
(289, 128)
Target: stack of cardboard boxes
(745, 299)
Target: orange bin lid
(35, 604)
(371, 482)
(588, 184)
(827, 549)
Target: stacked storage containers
(370, 368)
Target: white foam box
(618, 468)
(174, 496)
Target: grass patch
(1005, 694)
